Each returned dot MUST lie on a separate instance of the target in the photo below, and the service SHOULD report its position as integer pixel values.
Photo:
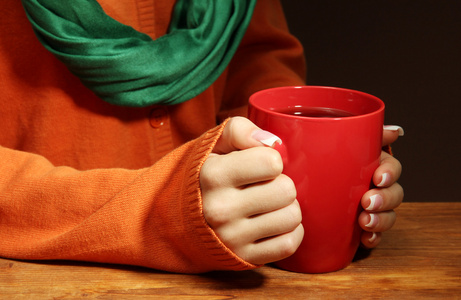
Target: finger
(240, 168)
(388, 172)
(267, 196)
(273, 249)
(234, 204)
(370, 239)
(391, 134)
(240, 133)
(377, 200)
(377, 222)
(254, 229)
(275, 222)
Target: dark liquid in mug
(315, 112)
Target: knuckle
(232, 124)
(211, 173)
(231, 239)
(401, 192)
(235, 120)
(399, 166)
(393, 196)
(272, 161)
(296, 214)
(206, 178)
(293, 216)
(289, 246)
(385, 221)
(216, 213)
(395, 165)
(392, 219)
(233, 128)
(286, 187)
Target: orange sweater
(85, 180)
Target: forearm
(150, 217)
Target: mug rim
(378, 110)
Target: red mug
(331, 145)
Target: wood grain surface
(420, 258)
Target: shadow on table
(235, 280)
(362, 253)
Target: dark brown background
(407, 53)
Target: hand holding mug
(379, 203)
(247, 200)
(260, 221)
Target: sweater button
(158, 117)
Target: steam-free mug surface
(331, 144)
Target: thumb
(240, 133)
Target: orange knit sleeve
(150, 217)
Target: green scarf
(125, 67)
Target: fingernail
(265, 137)
(394, 128)
(373, 238)
(376, 201)
(384, 180)
(373, 221)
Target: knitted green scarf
(125, 67)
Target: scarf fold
(126, 67)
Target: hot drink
(315, 112)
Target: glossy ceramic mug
(331, 160)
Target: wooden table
(420, 258)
